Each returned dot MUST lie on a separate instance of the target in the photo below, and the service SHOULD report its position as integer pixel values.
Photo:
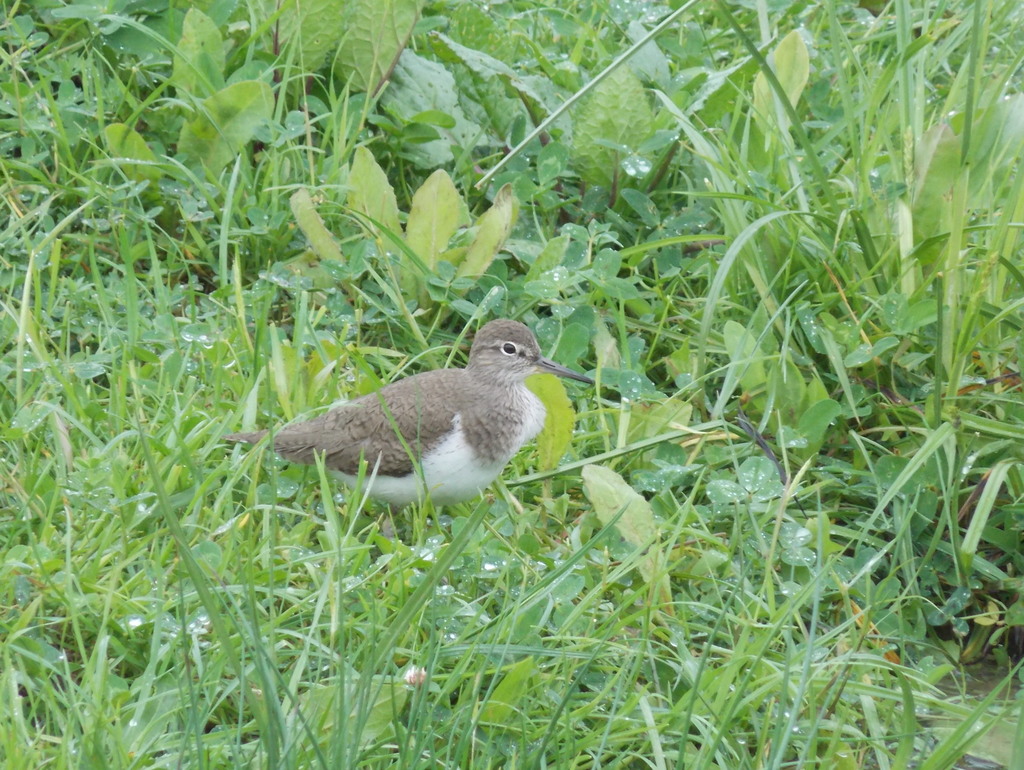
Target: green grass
(803, 314)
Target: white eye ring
(509, 348)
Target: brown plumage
(486, 405)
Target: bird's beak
(547, 366)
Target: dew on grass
(298, 553)
(134, 621)
(286, 488)
(199, 625)
(97, 224)
(789, 588)
(351, 583)
(88, 370)
(636, 9)
(199, 333)
(493, 565)
(793, 535)
(558, 274)
(428, 551)
(799, 557)
(636, 165)
(968, 464)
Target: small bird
(446, 433)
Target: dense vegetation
(784, 237)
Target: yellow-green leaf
(312, 226)
(437, 212)
(315, 27)
(225, 123)
(131, 153)
(500, 708)
(791, 64)
(370, 192)
(616, 120)
(556, 436)
(198, 65)
(611, 496)
(550, 257)
(492, 230)
(937, 169)
(745, 357)
(376, 718)
(376, 31)
(651, 419)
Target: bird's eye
(509, 348)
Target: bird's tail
(248, 438)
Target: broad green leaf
(649, 62)
(1015, 612)
(199, 57)
(454, 255)
(282, 365)
(492, 231)
(550, 257)
(936, 162)
(746, 359)
(786, 389)
(320, 708)
(486, 83)
(485, 66)
(477, 61)
(312, 226)
(651, 419)
(370, 192)
(127, 145)
(477, 29)
(556, 436)
(611, 496)
(437, 212)
(613, 123)
(500, 708)
(791, 65)
(643, 206)
(937, 169)
(316, 27)
(225, 123)
(996, 145)
(816, 391)
(376, 31)
(419, 85)
(759, 478)
(814, 422)
(987, 171)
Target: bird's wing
(367, 426)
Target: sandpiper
(446, 433)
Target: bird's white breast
(451, 470)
